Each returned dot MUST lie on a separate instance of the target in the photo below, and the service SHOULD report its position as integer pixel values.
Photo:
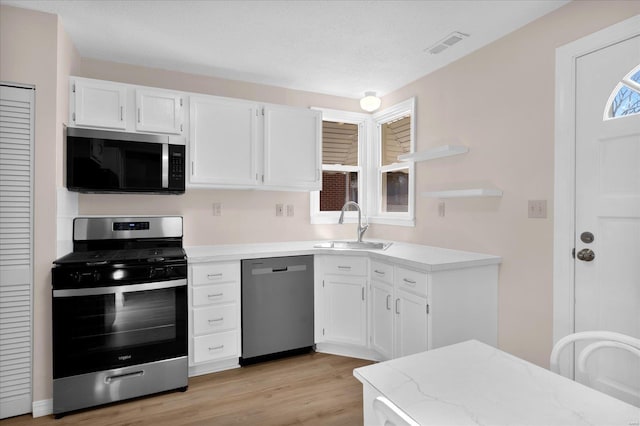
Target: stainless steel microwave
(100, 161)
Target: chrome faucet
(361, 228)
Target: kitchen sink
(353, 245)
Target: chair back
(388, 414)
(600, 340)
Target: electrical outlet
(537, 209)
(289, 209)
(217, 209)
(279, 209)
(441, 209)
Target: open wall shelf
(434, 153)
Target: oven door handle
(95, 291)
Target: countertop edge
(402, 253)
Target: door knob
(586, 255)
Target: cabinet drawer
(345, 265)
(215, 318)
(410, 280)
(215, 346)
(215, 294)
(215, 273)
(381, 271)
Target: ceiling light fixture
(370, 102)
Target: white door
(411, 324)
(16, 247)
(159, 111)
(607, 234)
(382, 318)
(292, 147)
(223, 141)
(345, 313)
(99, 104)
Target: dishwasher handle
(281, 269)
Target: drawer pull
(216, 348)
(216, 320)
(346, 268)
(379, 272)
(211, 296)
(214, 276)
(408, 281)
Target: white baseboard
(348, 351)
(43, 407)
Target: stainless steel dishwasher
(277, 307)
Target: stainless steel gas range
(119, 312)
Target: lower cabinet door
(411, 324)
(382, 319)
(345, 315)
(215, 346)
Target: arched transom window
(625, 98)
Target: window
(393, 200)
(360, 164)
(625, 99)
(343, 140)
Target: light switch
(279, 209)
(537, 209)
(217, 209)
(289, 209)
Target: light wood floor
(313, 389)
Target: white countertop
(471, 383)
(414, 255)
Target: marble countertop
(471, 383)
(414, 255)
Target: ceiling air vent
(446, 42)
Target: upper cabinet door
(99, 104)
(292, 147)
(223, 143)
(159, 111)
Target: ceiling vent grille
(446, 42)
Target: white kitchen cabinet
(413, 311)
(344, 300)
(382, 305)
(398, 310)
(159, 111)
(223, 141)
(244, 144)
(214, 316)
(410, 318)
(98, 103)
(292, 147)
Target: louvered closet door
(16, 212)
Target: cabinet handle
(121, 113)
(216, 320)
(362, 293)
(215, 348)
(211, 296)
(214, 276)
(346, 268)
(379, 272)
(408, 281)
(388, 300)
(139, 115)
(397, 306)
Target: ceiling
(340, 48)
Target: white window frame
(375, 168)
(363, 121)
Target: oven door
(102, 328)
